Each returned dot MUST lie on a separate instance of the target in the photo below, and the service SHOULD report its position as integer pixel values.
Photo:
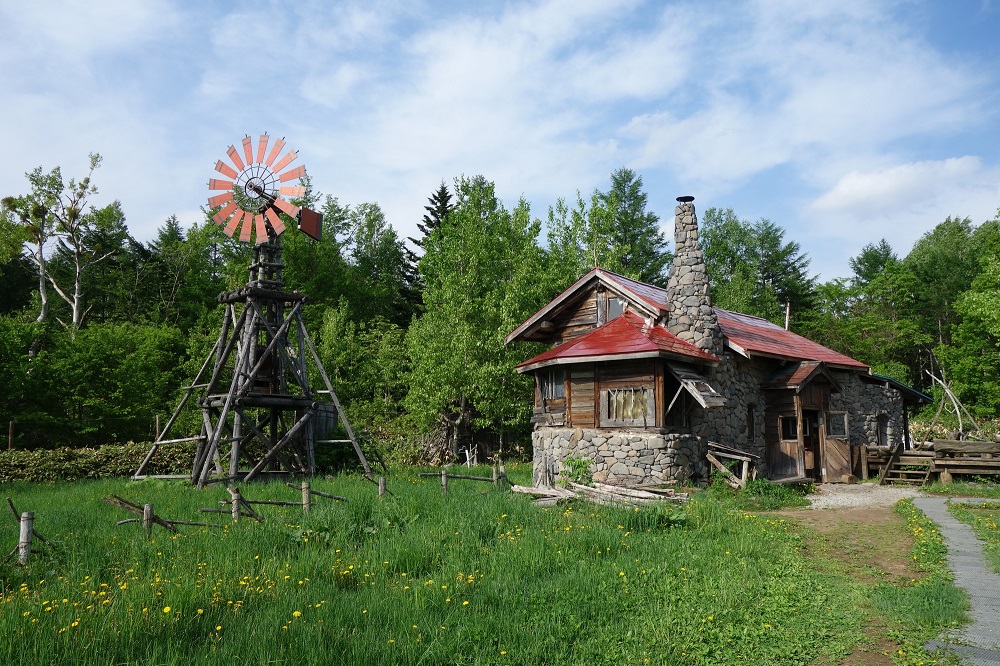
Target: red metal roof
(753, 335)
(625, 336)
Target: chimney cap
(685, 199)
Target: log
(121, 503)
(24, 539)
(953, 447)
(734, 480)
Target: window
(836, 425)
(552, 384)
(627, 406)
(789, 427)
(615, 307)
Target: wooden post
(503, 473)
(381, 486)
(234, 494)
(306, 497)
(444, 481)
(10, 435)
(24, 539)
(147, 518)
(496, 476)
(157, 428)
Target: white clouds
(835, 102)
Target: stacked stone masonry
(619, 457)
(692, 318)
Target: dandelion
(166, 609)
(465, 603)
(297, 614)
(218, 627)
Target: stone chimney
(691, 316)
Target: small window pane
(836, 424)
(615, 307)
(789, 427)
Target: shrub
(93, 463)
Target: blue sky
(843, 121)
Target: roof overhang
(802, 374)
(910, 395)
(729, 344)
(570, 295)
(580, 360)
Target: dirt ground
(868, 541)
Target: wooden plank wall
(581, 392)
(576, 319)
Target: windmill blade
(235, 157)
(219, 184)
(234, 223)
(227, 210)
(284, 161)
(276, 223)
(261, 147)
(248, 149)
(247, 228)
(220, 199)
(293, 174)
(292, 190)
(286, 208)
(226, 170)
(261, 228)
(275, 149)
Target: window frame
(648, 418)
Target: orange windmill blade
(252, 198)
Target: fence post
(24, 538)
(306, 497)
(147, 518)
(496, 476)
(444, 480)
(10, 435)
(234, 494)
(381, 486)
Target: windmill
(258, 408)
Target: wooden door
(836, 448)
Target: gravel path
(848, 495)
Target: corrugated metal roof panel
(759, 336)
(626, 335)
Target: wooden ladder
(905, 470)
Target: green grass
(918, 612)
(474, 577)
(983, 517)
(972, 486)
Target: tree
(483, 274)
(55, 210)
(873, 259)
(439, 205)
(379, 267)
(752, 269)
(614, 231)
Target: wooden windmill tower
(259, 410)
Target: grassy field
(474, 577)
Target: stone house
(639, 380)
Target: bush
(93, 463)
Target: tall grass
(473, 577)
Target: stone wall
(739, 380)
(867, 404)
(620, 457)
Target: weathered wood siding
(581, 392)
(782, 456)
(575, 319)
